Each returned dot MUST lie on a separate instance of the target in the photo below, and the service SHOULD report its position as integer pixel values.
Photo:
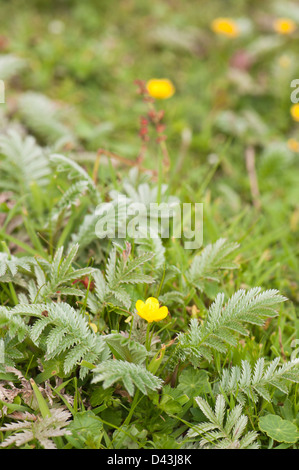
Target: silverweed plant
(118, 338)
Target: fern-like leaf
(224, 320)
(44, 118)
(63, 332)
(53, 278)
(33, 428)
(119, 273)
(254, 382)
(224, 429)
(10, 65)
(23, 162)
(213, 258)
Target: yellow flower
(293, 145)
(284, 26)
(295, 112)
(94, 327)
(160, 88)
(150, 310)
(226, 27)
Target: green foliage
(74, 170)
(244, 381)
(10, 265)
(23, 162)
(110, 289)
(213, 258)
(14, 323)
(10, 65)
(53, 277)
(79, 368)
(69, 199)
(85, 431)
(130, 374)
(33, 428)
(279, 429)
(194, 382)
(225, 319)
(126, 349)
(42, 116)
(60, 330)
(171, 400)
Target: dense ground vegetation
(82, 364)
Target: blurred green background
(88, 54)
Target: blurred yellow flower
(94, 327)
(160, 88)
(284, 26)
(293, 145)
(295, 112)
(150, 310)
(226, 27)
(284, 61)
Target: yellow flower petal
(139, 305)
(150, 310)
(94, 327)
(141, 309)
(160, 88)
(152, 303)
(161, 313)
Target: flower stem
(147, 339)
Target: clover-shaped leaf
(279, 429)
